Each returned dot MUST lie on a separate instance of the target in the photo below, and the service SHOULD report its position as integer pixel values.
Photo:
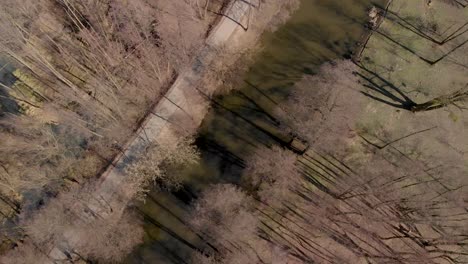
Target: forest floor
(417, 53)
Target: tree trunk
(441, 101)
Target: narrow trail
(182, 104)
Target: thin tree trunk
(442, 101)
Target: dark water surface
(320, 31)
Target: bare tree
(159, 166)
(227, 71)
(85, 225)
(385, 207)
(109, 239)
(205, 7)
(30, 150)
(224, 214)
(274, 172)
(87, 73)
(457, 99)
(315, 109)
(181, 32)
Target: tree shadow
(410, 50)
(405, 23)
(408, 26)
(460, 3)
(151, 220)
(416, 29)
(212, 146)
(387, 92)
(236, 20)
(7, 103)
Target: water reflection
(322, 30)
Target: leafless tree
(204, 7)
(87, 73)
(85, 225)
(224, 215)
(359, 201)
(227, 71)
(457, 99)
(28, 150)
(314, 111)
(273, 172)
(159, 166)
(109, 239)
(388, 208)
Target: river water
(320, 31)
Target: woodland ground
(418, 53)
(389, 182)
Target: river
(320, 31)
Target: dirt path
(182, 105)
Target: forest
(356, 151)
